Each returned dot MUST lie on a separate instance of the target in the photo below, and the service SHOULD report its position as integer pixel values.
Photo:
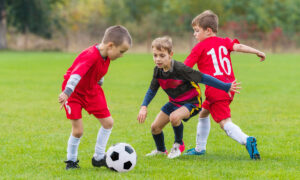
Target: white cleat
(175, 151)
(156, 152)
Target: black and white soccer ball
(121, 157)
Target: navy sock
(159, 141)
(178, 131)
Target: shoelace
(73, 163)
(174, 149)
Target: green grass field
(34, 132)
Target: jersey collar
(104, 58)
(172, 65)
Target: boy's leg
(176, 117)
(74, 139)
(220, 111)
(237, 134)
(161, 120)
(96, 105)
(102, 137)
(203, 129)
(73, 144)
(233, 131)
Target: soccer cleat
(194, 152)
(100, 163)
(252, 149)
(176, 150)
(157, 152)
(72, 165)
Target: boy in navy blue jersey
(180, 83)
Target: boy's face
(114, 52)
(200, 34)
(162, 58)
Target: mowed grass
(34, 132)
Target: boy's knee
(175, 119)
(223, 122)
(155, 129)
(108, 123)
(204, 113)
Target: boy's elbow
(237, 47)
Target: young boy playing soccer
(212, 55)
(180, 84)
(80, 89)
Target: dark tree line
(145, 18)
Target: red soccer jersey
(91, 67)
(212, 56)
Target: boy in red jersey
(212, 56)
(180, 84)
(81, 89)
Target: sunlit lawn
(34, 132)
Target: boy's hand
(234, 88)
(142, 114)
(261, 55)
(62, 98)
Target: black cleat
(72, 165)
(101, 162)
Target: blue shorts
(169, 107)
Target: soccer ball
(121, 157)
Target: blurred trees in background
(32, 16)
(2, 25)
(270, 22)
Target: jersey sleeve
(152, 89)
(148, 97)
(154, 83)
(229, 43)
(214, 82)
(84, 63)
(198, 77)
(189, 73)
(193, 58)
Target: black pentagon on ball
(127, 165)
(128, 149)
(114, 156)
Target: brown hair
(117, 35)
(164, 42)
(207, 19)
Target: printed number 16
(223, 60)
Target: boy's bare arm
(247, 49)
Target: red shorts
(219, 110)
(95, 105)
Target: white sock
(102, 139)
(72, 150)
(203, 129)
(235, 133)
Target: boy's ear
(209, 30)
(110, 44)
(171, 53)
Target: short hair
(207, 19)
(116, 34)
(164, 42)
